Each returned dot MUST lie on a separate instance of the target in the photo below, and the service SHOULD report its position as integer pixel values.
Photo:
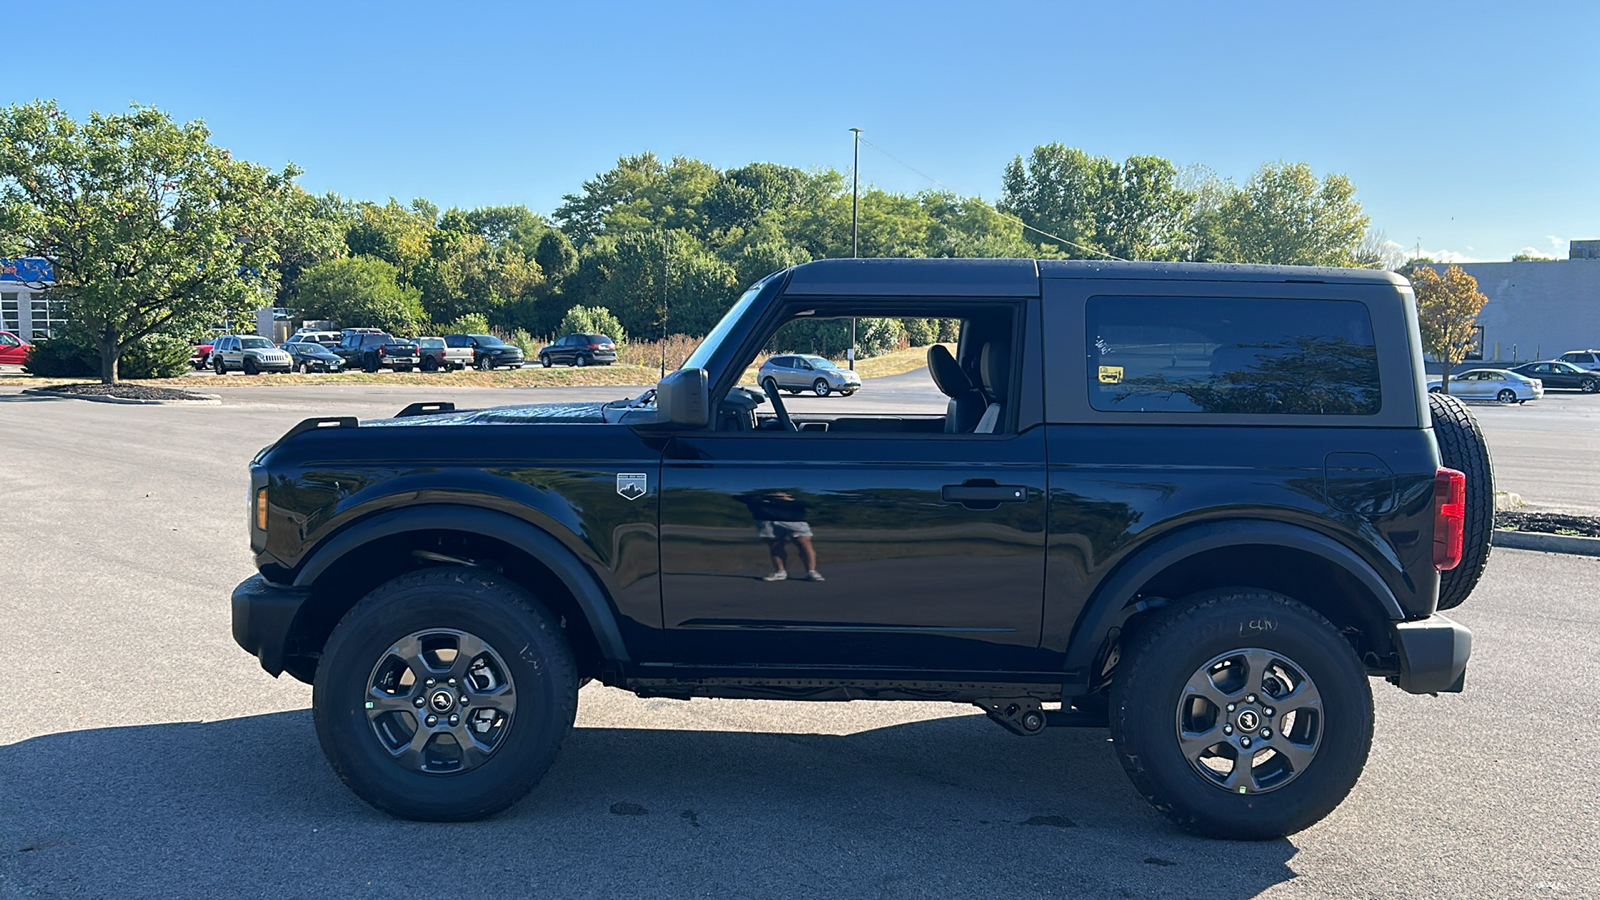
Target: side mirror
(681, 399)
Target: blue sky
(1470, 127)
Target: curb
(1549, 543)
(205, 399)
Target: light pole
(855, 227)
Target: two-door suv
(1200, 504)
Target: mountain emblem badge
(632, 485)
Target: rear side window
(1234, 356)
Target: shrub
(471, 323)
(591, 320)
(878, 336)
(62, 358)
(524, 341)
(156, 356)
(72, 356)
(921, 332)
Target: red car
(200, 356)
(13, 349)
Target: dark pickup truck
(1197, 504)
(371, 350)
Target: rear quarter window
(1232, 356)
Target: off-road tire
(509, 619)
(1462, 447)
(1159, 658)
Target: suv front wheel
(444, 695)
(1241, 714)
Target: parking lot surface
(142, 754)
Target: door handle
(983, 494)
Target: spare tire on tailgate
(1462, 447)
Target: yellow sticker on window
(1110, 374)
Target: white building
(1539, 309)
(24, 309)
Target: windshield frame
(701, 357)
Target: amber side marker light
(1449, 518)
(261, 517)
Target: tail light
(595, 346)
(1449, 518)
(381, 352)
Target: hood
(531, 413)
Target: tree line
(154, 230)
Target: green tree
(314, 231)
(396, 234)
(1284, 216)
(151, 228)
(1447, 313)
(555, 256)
(360, 292)
(471, 323)
(1135, 209)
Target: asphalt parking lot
(142, 754)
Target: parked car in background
(1501, 385)
(371, 350)
(488, 351)
(796, 372)
(325, 338)
(1554, 373)
(248, 353)
(1583, 359)
(580, 350)
(13, 349)
(200, 356)
(311, 356)
(438, 356)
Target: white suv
(1583, 359)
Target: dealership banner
(29, 270)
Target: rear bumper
(263, 616)
(1433, 655)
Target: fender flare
(525, 536)
(1113, 602)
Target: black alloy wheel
(445, 694)
(1241, 714)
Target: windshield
(702, 354)
(255, 343)
(819, 363)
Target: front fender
(530, 539)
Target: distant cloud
(1449, 256)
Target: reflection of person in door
(781, 518)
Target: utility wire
(1001, 214)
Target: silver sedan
(1492, 384)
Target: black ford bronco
(1198, 504)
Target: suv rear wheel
(444, 695)
(1242, 714)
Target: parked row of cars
(367, 349)
(1577, 370)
